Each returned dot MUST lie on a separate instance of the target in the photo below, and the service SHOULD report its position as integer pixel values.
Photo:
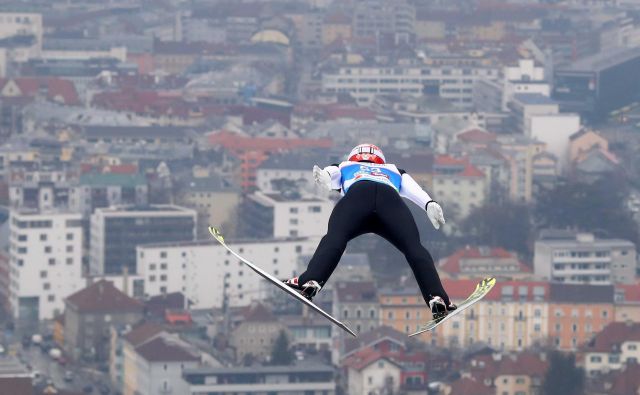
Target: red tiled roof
(452, 262)
(16, 386)
(612, 336)
(237, 143)
(369, 339)
(630, 292)
(459, 289)
(103, 297)
(489, 367)
(162, 349)
(466, 168)
(470, 386)
(627, 380)
(366, 357)
(356, 291)
(258, 312)
(477, 136)
(57, 88)
(143, 333)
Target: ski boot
(439, 308)
(308, 289)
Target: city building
(88, 314)
(45, 263)
(356, 303)
(284, 214)
(617, 345)
(458, 185)
(155, 365)
(519, 151)
(581, 258)
(451, 82)
(256, 334)
(309, 332)
(216, 199)
(117, 231)
(107, 189)
(370, 372)
(576, 312)
(308, 378)
(26, 25)
(380, 18)
(201, 269)
(596, 85)
(471, 262)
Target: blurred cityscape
(127, 127)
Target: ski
(482, 289)
(278, 283)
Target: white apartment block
(22, 24)
(280, 215)
(580, 258)
(453, 83)
(203, 270)
(46, 262)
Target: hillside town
(127, 127)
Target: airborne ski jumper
(371, 202)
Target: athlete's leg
(396, 224)
(347, 221)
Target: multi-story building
(287, 214)
(519, 151)
(581, 258)
(577, 312)
(512, 317)
(117, 231)
(46, 262)
(617, 345)
(25, 25)
(469, 262)
(204, 271)
(155, 365)
(88, 314)
(308, 378)
(458, 185)
(452, 82)
(39, 190)
(98, 190)
(256, 333)
(596, 85)
(215, 199)
(356, 303)
(379, 18)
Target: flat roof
(534, 99)
(602, 60)
(305, 368)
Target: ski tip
(216, 233)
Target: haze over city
(128, 127)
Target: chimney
(125, 280)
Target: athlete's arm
(410, 189)
(336, 176)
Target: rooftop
(166, 349)
(267, 369)
(612, 336)
(103, 297)
(112, 179)
(602, 60)
(534, 99)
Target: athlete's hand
(434, 212)
(322, 177)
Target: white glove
(322, 177)
(434, 212)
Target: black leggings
(372, 207)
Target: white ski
(277, 282)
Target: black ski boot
(439, 308)
(308, 289)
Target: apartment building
(458, 185)
(285, 214)
(378, 18)
(581, 258)
(117, 231)
(356, 303)
(454, 83)
(45, 253)
(22, 24)
(611, 349)
(204, 271)
(471, 262)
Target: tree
(281, 353)
(597, 207)
(563, 377)
(506, 225)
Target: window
(163, 266)
(46, 286)
(152, 279)
(163, 290)
(293, 221)
(163, 254)
(298, 249)
(69, 248)
(47, 249)
(69, 236)
(51, 298)
(22, 237)
(22, 250)
(315, 209)
(52, 261)
(43, 274)
(69, 261)
(345, 313)
(152, 266)
(372, 313)
(163, 277)
(43, 237)
(595, 359)
(293, 210)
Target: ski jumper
(372, 203)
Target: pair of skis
(481, 290)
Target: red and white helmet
(367, 152)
